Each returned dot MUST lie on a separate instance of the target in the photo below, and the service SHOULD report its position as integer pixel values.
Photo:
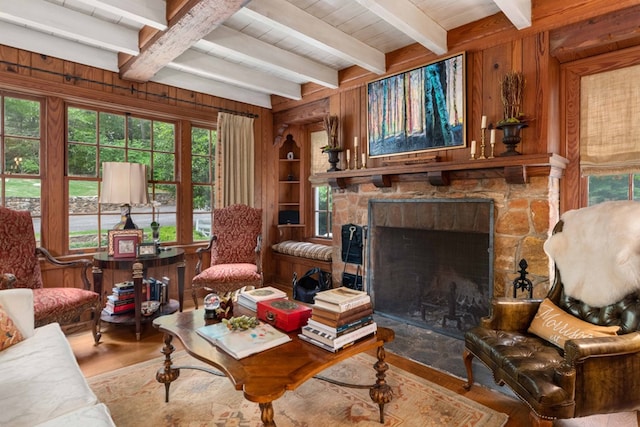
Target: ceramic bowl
(149, 307)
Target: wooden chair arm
(511, 314)
(201, 251)
(258, 251)
(85, 264)
(7, 281)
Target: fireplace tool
(522, 283)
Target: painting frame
(138, 233)
(125, 246)
(419, 110)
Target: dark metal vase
(333, 159)
(511, 137)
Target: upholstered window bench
(292, 256)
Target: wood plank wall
(493, 47)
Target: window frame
(152, 183)
(36, 215)
(213, 133)
(573, 186)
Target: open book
(243, 343)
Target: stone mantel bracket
(514, 169)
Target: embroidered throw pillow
(10, 334)
(557, 326)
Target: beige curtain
(235, 159)
(609, 125)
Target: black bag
(352, 243)
(306, 288)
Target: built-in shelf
(514, 169)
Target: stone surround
(524, 217)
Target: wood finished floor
(119, 348)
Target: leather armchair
(234, 251)
(588, 376)
(20, 268)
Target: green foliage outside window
(612, 187)
(203, 143)
(95, 137)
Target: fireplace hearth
(431, 261)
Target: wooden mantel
(514, 169)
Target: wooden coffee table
(266, 376)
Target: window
(20, 142)
(613, 187)
(322, 196)
(322, 211)
(609, 153)
(95, 137)
(203, 144)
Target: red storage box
(284, 314)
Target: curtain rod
(132, 89)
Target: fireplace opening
(431, 261)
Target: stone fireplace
(431, 261)
(522, 217)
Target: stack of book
(249, 299)
(339, 317)
(121, 300)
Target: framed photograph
(146, 249)
(124, 246)
(113, 233)
(418, 110)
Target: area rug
(201, 399)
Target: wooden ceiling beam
(305, 27)
(194, 20)
(408, 18)
(225, 41)
(518, 12)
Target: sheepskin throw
(598, 252)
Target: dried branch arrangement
(331, 126)
(511, 93)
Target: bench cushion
(314, 251)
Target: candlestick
(482, 145)
(348, 158)
(492, 141)
(484, 122)
(473, 149)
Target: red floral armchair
(20, 268)
(235, 252)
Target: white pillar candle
(493, 136)
(484, 122)
(348, 156)
(355, 143)
(473, 147)
(364, 160)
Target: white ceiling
(238, 49)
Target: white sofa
(41, 383)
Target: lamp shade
(124, 183)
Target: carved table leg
(137, 284)
(266, 414)
(167, 374)
(381, 392)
